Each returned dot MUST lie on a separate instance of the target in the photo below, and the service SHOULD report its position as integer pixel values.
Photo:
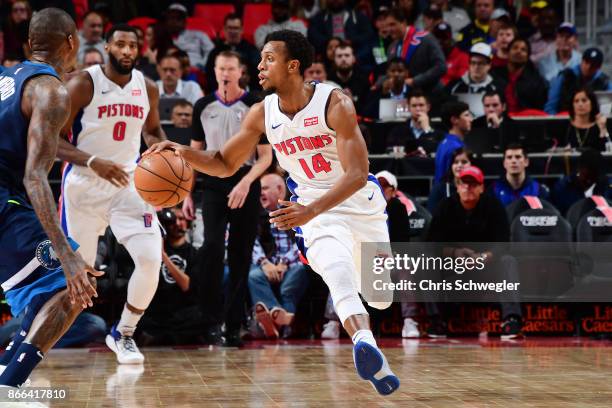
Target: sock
(127, 323)
(26, 358)
(365, 336)
(12, 347)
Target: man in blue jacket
(457, 117)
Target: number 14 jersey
(110, 126)
(306, 148)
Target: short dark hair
(594, 103)
(182, 102)
(92, 50)
(417, 93)
(296, 46)
(398, 14)
(232, 16)
(120, 27)
(453, 109)
(515, 146)
(49, 28)
(397, 60)
(229, 54)
(490, 93)
(521, 39)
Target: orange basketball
(163, 179)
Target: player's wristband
(91, 159)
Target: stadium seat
(214, 13)
(419, 217)
(581, 207)
(202, 24)
(541, 243)
(526, 203)
(256, 14)
(142, 22)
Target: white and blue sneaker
(372, 365)
(124, 347)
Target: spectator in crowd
(317, 72)
(14, 33)
(410, 8)
(171, 85)
(457, 61)
(393, 87)
(276, 263)
(588, 127)
(233, 200)
(416, 135)
(92, 56)
(587, 74)
(458, 119)
(11, 60)
(431, 17)
(499, 18)
(455, 17)
(347, 74)
(91, 34)
(233, 41)
(506, 33)
(196, 43)
(495, 127)
(461, 158)
(422, 53)
(478, 30)
(377, 60)
(306, 9)
(590, 179)
(281, 20)
(524, 88)
(330, 52)
(146, 62)
(173, 317)
(477, 79)
(182, 114)
(516, 183)
(339, 21)
(543, 41)
(473, 217)
(563, 56)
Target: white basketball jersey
(110, 126)
(306, 148)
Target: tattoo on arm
(50, 107)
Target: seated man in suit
(493, 131)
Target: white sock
(127, 323)
(366, 336)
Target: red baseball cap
(472, 172)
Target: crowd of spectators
(476, 65)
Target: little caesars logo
(46, 255)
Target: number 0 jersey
(306, 148)
(110, 126)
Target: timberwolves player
(336, 204)
(111, 107)
(34, 106)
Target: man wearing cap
(477, 80)
(586, 74)
(280, 21)
(456, 17)
(478, 30)
(543, 41)
(473, 217)
(196, 43)
(456, 60)
(564, 54)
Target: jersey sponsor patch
(311, 121)
(148, 219)
(136, 92)
(45, 254)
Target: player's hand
(80, 290)
(291, 215)
(188, 208)
(238, 195)
(165, 145)
(110, 171)
(270, 270)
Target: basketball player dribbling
(336, 204)
(111, 106)
(41, 274)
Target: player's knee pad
(343, 290)
(380, 305)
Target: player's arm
(234, 153)
(80, 88)
(353, 155)
(47, 104)
(152, 131)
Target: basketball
(163, 179)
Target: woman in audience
(588, 127)
(15, 29)
(461, 158)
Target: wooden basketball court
(542, 372)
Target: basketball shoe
(124, 347)
(372, 365)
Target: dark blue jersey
(13, 125)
